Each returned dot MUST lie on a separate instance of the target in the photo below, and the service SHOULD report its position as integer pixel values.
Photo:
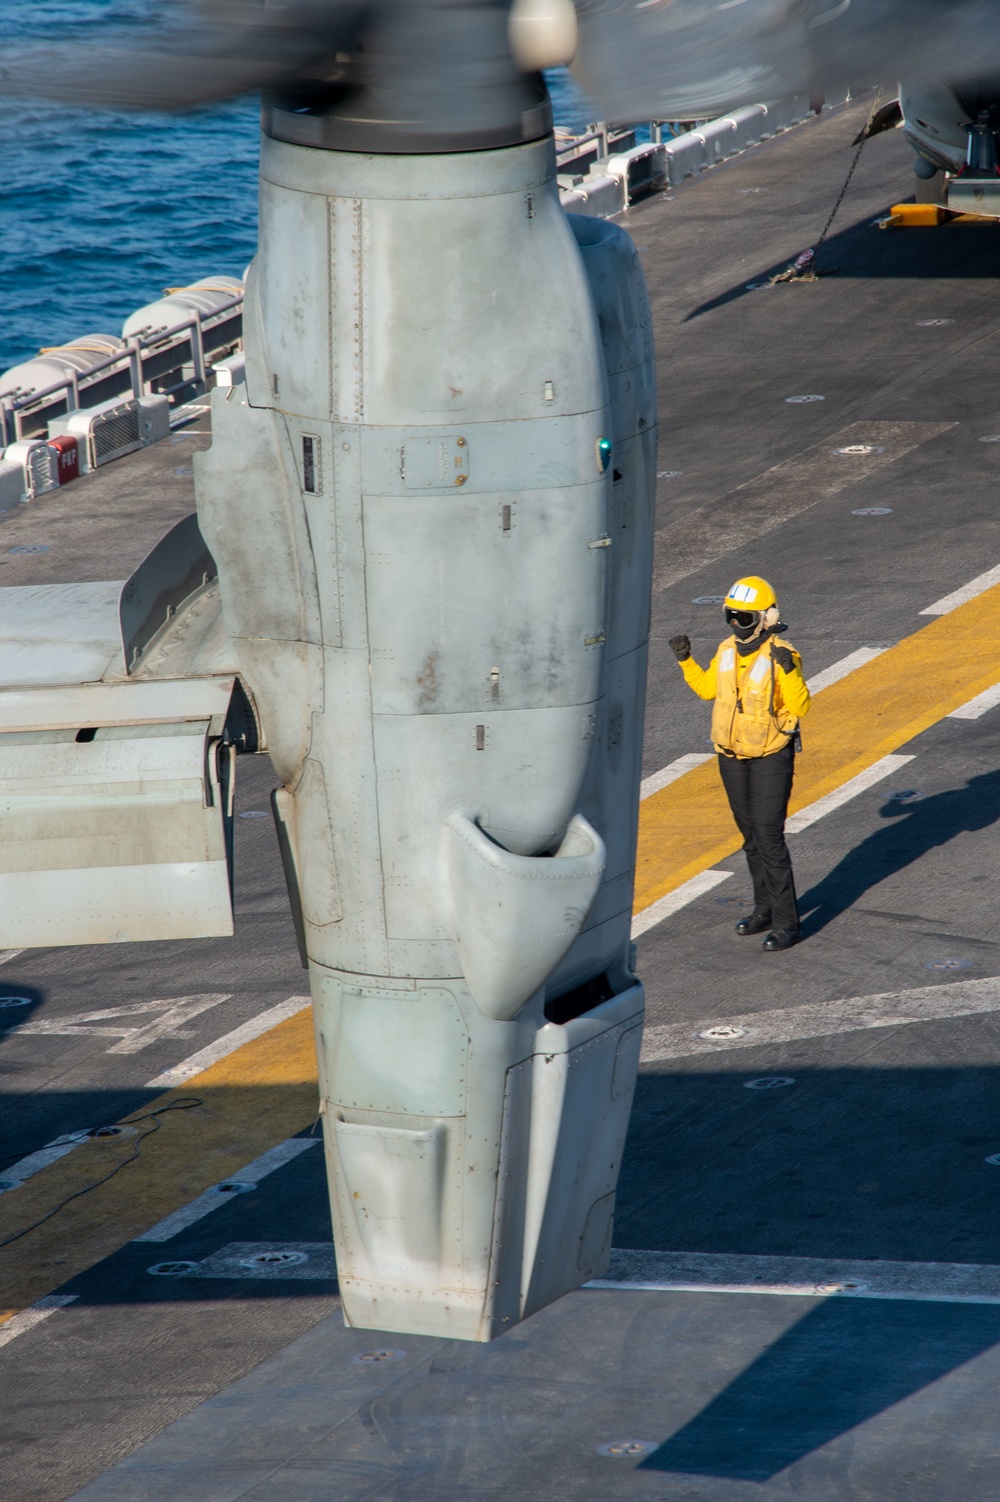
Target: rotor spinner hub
(422, 78)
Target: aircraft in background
(954, 130)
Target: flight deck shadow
(916, 828)
(860, 251)
(710, 1166)
(842, 1364)
(290, 1203)
(859, 1162)
(17, 1005)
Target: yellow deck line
(687, 827)
(259, 1095)
(266, 1090)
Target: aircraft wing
(120, 714)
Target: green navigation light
(603, 449)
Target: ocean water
(101, 210)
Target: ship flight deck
(805, 1299)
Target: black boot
(782, 938)
(754, 923)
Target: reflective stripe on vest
(743, 719)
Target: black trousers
(758, 789)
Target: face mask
(744, 624)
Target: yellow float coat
(757, 704)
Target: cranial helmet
(751, 606)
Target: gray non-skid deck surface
(770, 1399)
(876, 1151)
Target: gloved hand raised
(681, 647)
(783, 657)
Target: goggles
(742, 618)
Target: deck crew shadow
(913, 830)
(843, 1364)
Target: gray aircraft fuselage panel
(431, 509)
(420, 579)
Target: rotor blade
(235, 49)
(689, 59)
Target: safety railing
(616, 171)
(139, 369)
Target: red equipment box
(68, 449)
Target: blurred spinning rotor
(413, 75)
(684, 59)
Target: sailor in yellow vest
(760, 696)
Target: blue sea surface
(101, 210)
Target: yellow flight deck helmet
(751, 597)
(751, 593)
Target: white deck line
(698, 885)
(179, 1074)
(843, 668)
(833, 674)
(9, 954)
(969, 591)
(165, 1018)
(675, 900)
(798, 1277)
(214, 1199)
(24, 1168)
(672, 771)
(821, 1019)
(27, 1319)
(975, 708)
(877, 772)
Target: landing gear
(976, 188)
